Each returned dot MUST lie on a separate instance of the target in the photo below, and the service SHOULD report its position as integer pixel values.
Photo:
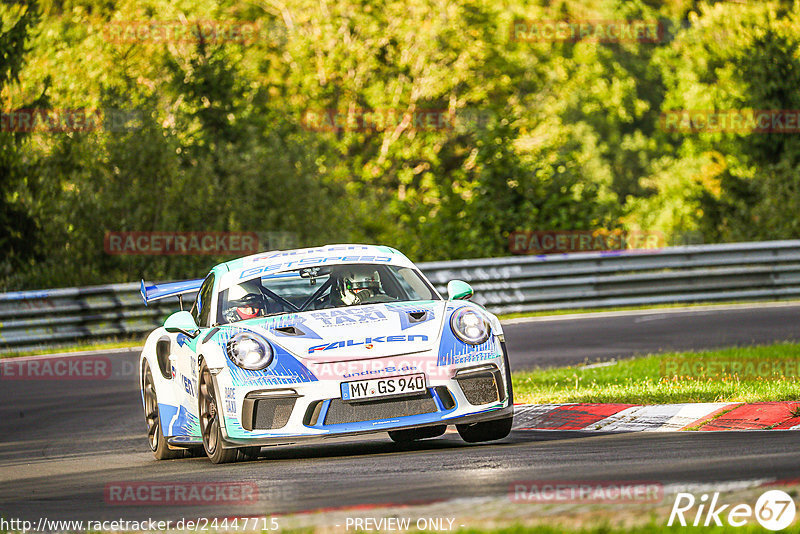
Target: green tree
(19, 228)
(743, 57)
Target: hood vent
(417, 316)
(289, 331)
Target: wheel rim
(209, 416)
(151, 409)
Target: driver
(359, 285)
(245, 301)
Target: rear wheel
(155, 437)
(210, 421)
(486, 431)
(413, 434)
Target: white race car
(286, 347)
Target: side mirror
(459, 290)
(182, 322)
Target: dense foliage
(222, 133)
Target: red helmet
(247, 312)
(245, 301)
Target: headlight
(470, 326)
(249, 351)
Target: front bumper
(315, 411)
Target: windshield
(319, 288)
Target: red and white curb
(658, 418)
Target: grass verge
(742, 374)
(644, 307)
(101, 345)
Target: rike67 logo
(774, 510)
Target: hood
(356, 332)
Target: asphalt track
(555, 341)
(62, 442)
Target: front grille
(266, 413)
(480, 388)
(340, 412)
(273, 413)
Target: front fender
(497, 327)
(494, 322)
(212, 352)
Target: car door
(184, 361)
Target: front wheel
(486, 431)
(249, 453)
(210, 421)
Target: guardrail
(740, 271)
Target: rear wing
(169, 289)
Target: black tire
(486, 431)
(509, 387)
(195, 451)
(414, 434)
(249, 453)
(210, 421)
(155, 437)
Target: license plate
(383, 387)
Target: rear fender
(165, 389)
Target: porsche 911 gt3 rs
(286, 347)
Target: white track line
(650, 311)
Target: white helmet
(358, 284)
